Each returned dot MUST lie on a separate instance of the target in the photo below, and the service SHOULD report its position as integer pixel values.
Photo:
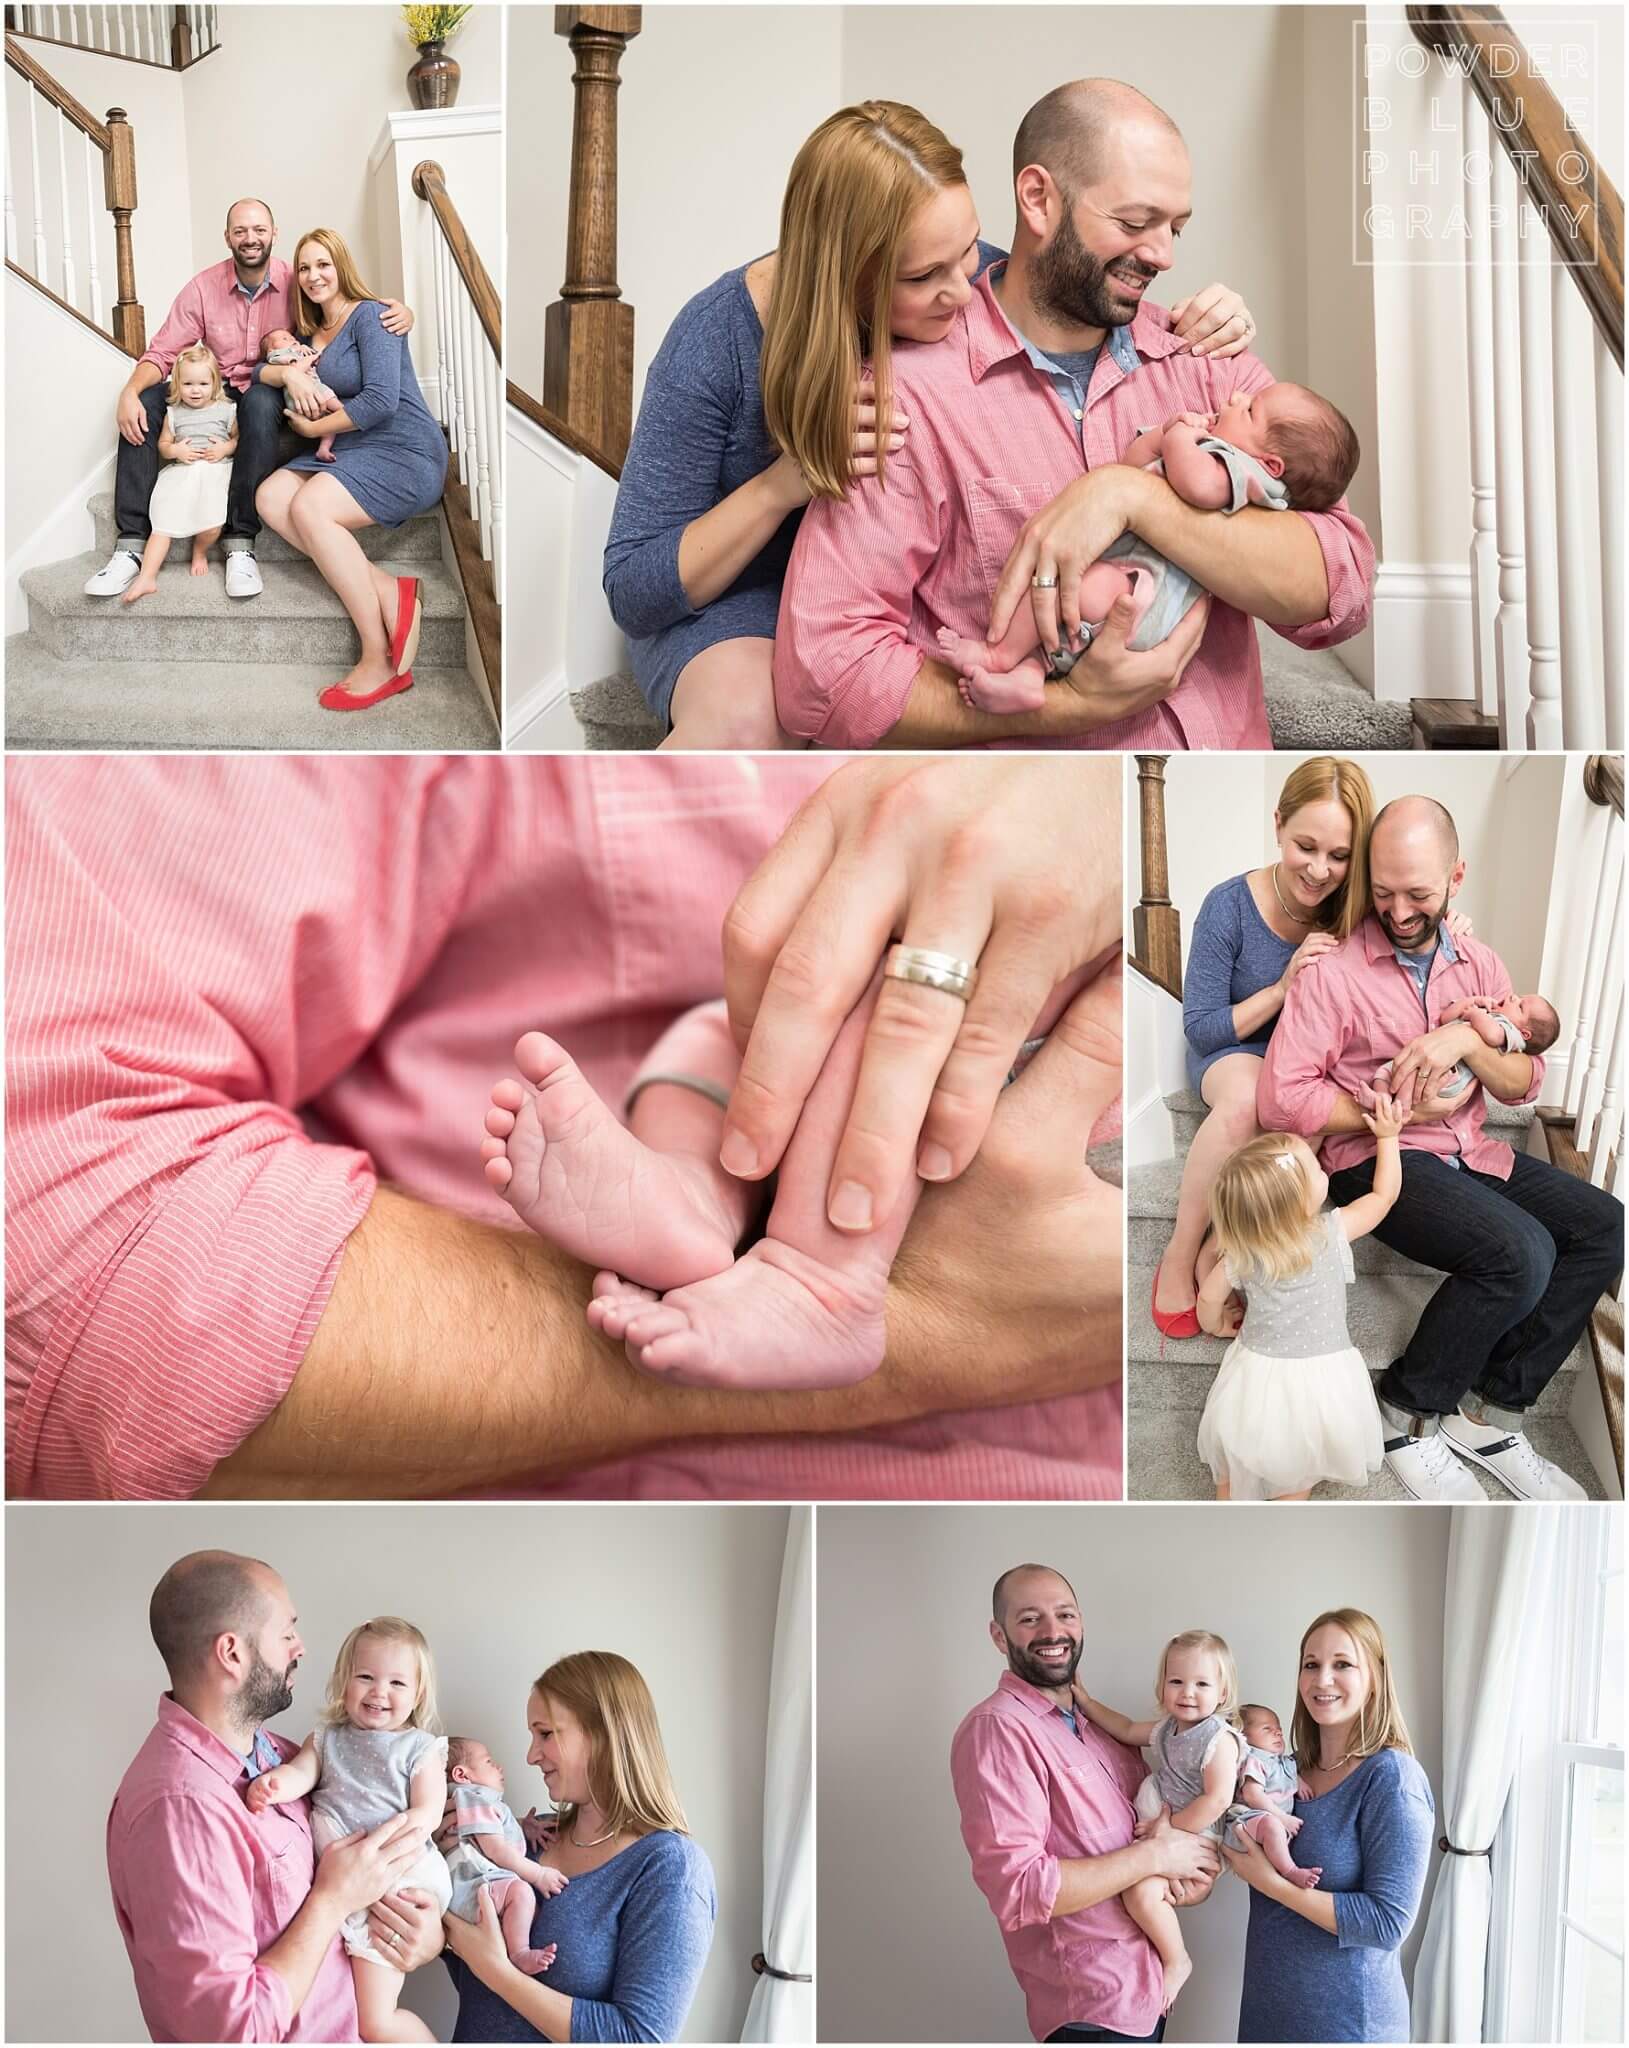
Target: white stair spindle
(443, 352)
(69, 281)
(1600, 1036)
(483, 433)
(473, 343)
(466, 425)
(1510, 625)
(11, 216)
(1609, 440)
(1609, 1128)
(1479, 355)
(118, 26)
(93, 275)
(1543, 730)
(1583, 722)
(455, 365)
(1602, 922)
(495, 396)
(39, 204)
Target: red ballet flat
(336, 699)
(404, 642)
(1184, 1322)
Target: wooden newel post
(588, 331)
(119, 168)
(180, 40)
(1156, 924)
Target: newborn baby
(1518, 1024)
(281, 346)
(1268, 1785)
(1285, 448)
(490, 1849)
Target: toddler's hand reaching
(1387, 1119)
(263, 1792)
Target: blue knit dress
(395, 464)
(1233, 955)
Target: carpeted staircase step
(148, 705)
(296, 619)
(419, 540)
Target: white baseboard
(538, 718)
(1422, 631)
(68, 530)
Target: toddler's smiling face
(384, 1685)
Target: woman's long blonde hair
(307, 318)
(1258, 1209)
(1330, 778)
(195, 352)
(1202, 1639)
(853, 189)
(1380, 1719)
(385, 1628)
(628, 1775)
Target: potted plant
(433, 80)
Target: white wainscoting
(1422, 631)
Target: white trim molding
(1422, 631)
(410, 124)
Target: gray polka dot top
(367, 1773)
(1305, 1315)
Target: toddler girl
(1269, 1785)
(1291, 1403)
(198, 440)
(1197, 1754)
(491, 1850)
(375, 1753)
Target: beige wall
(689, 1594)
(911, 1951)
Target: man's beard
(1425, 938)
(1067, 281)
(1045, 1676)
(266, 1693)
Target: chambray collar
(1376, 945)
(1027, 1695)
(992, 338)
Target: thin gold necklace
(609, 1832)
(1294, 916)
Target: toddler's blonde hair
(1380, 1719)
(1202, 1639)
(197, 352)
(385, 1628)
(1258, 1209)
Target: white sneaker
(1425, 1467)
(1506, 1455)
(242, 574)
(117, 573)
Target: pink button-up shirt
(202, 1888)
(209, 957)
(1354, 1011)
(212, 309)
(871, 580)
(1031, 1791)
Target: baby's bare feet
(1024, 689)
(965, 654)
(144, 586)
(1307, 1879)
(533, 1961)
(573, 1173)
(200, 565)
(1176, 1975)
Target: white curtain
(1500, 1562)
(782, 2011)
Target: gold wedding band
(943, 971)
(1043, 583)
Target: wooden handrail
(429, 182)
(588, 332)
(1603, 780)
(551, 423)
(1532, 126)
(1156, 923)
(59, 96)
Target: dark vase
(433, 80)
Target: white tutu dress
(190, 497)
(1292, 1402)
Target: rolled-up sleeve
(844, 662)
(1295, 1091)
(195, 949)
(187, 1917)
(380, 355)
(1207, 986)
(1394, 1834)
(183, 325)
(1006, 1818)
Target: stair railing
(468, 322)
(171, 37)
(588, 333)
(58, 187)
(1156, 923)
(1594, 1091)
(1543, 259)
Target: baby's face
(481, 1767)
(1247, 417)
(383, 1688)
(196, 386)
(280, 337)
(1193, 1685)
(1262, 1731)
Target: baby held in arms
(1284, 447)
(1269, 1784)
(690, 1281)
(1517, 1024)
(283, 346)
(490, 1849)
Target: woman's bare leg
(326, 519)
(274, 501)
(725, 697)
(1230, 1089)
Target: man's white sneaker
(242, 574)
(1425, 1467)
(1506, 1455)
(117, 573)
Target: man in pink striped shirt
(232, 1931)
(230, 307)
(1051, 367)
(1048, 1817)
(1528, 1249)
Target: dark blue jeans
(264, 442)
(1103, 2034)
(1527, 1259)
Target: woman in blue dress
(634, 1925)
(1323, 1963)
(755, 404)
(390, 463)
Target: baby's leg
(517, 1904)
(1021, 689)
(378, 1987)
(325, 448)
(1149, 1904)
(1270, 1831)
(201, 545)
(152, 560)
(652, 1202)
(995, 656)
(1102, 585)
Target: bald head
(1417, 821)
(203, 1597)
(1023, 1580)
(1079, 130)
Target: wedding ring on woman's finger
(1043, 582)
(922, 964)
